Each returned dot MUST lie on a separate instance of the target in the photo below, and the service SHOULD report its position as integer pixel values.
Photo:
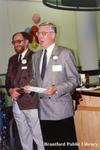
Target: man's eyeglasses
(43, 33)
(17, 42)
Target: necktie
(44, 63)
(19, 58)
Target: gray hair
(51, 25)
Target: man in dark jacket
(19, 74)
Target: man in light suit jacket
(25, 106)
(60, 78)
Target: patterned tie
(44, 63)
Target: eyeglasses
(17, 42)
(43, 33)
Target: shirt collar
(50, 48)
(24, 53)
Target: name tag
(24, 67)
(56, 68)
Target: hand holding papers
(37, 89)
(30, 89)
(51, 90)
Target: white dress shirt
(23, 54)
(49, 53)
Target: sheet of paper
(37, 89)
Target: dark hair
(25, 35)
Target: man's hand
(51, 90)
(14, 94)
(27, 89)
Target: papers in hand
(36, 89)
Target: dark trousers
(59, 135)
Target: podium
(87, 120)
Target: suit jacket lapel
(37, 67)
(27, 53)
(15, 67)
(54, 56)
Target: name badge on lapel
(56, 68)
(24, 67)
